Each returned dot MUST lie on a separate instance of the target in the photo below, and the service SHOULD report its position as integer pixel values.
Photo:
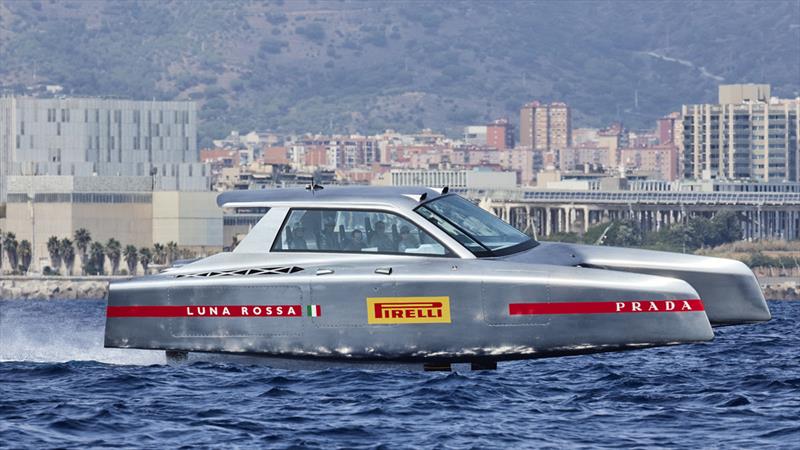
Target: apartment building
(500, 134)
(751, 138)
(545, 127)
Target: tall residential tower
(545, 127)
(747, 136)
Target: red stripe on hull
(206, 311)
(637, 306)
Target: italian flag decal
(313, 310)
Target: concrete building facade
(545, 127)
(475, 135)
(734, 94)
(84, 137)
(658, 162)
(587, 154)
(755, 140)
(124, 208)
(500, 134)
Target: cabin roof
(333, 194)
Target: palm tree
(98, 258)
(131, 258)
(54, 249)
(172, 252)
(145, 256)
(25, 256)
(67, 254)
(113, 251)
(159, 253)
(186, 253)
(82, 240)
(10, 245)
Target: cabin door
(341, 296)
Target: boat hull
(430, 311)
(729, 289)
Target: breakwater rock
(781, 293)
(45, 288)
(781, 289)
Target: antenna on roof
(423, 196)
(445, 190)
(313, 187)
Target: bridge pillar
(547, 222)
(570, 217)
(586, 219)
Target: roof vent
(257, 271)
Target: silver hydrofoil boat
(424, 276)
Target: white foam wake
(57, 331)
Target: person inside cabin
(380, 239)
(356, 241)
(298, 240)
(327, 238)
(407, 240)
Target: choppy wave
(59, 387)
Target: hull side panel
(419, 313)
(729, 289)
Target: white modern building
(475, 135)
(747, 136)
(84, 137)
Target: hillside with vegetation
(326, 66)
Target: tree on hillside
(54, 249)
(25, 256)
(97, 260)
(82, 240)
(113, 251)
(10, 245)
(131, 258)
(145, 256)
(67, 255)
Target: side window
(354, 231)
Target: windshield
(479, 231)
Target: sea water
(60, 388)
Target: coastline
(56, 287)
(96, 287)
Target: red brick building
(500, 134)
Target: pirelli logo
(397, 310)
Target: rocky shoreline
(70, 288)
(55, 288)
(781, 288)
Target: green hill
(364, 66)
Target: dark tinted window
(480, 231)
(354, 231)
